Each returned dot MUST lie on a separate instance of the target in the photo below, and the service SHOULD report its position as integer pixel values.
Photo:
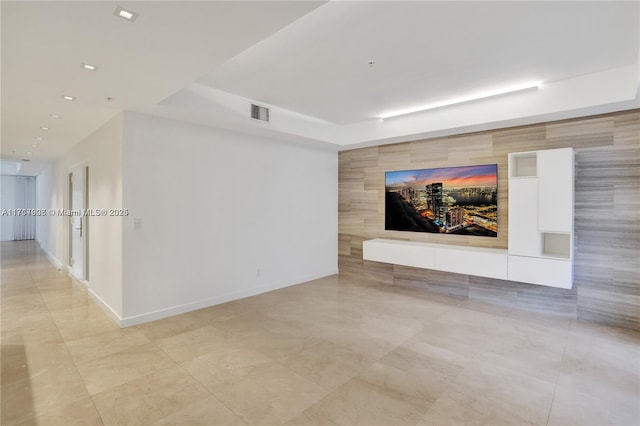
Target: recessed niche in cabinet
(556, 245)
(524, 165)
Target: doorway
(79, 224)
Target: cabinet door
(524, 238)
(555, 190)
(549, 272)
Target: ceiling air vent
(260, 113)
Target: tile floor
(338, 350)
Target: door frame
(84, 166)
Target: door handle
(80, 227)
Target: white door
(77, 190)
(555, 171)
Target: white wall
(102, 153)
(214, 208)
(43, 201)
(7, 201)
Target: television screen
(449, 200)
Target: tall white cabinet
(541, 195)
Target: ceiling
(169, 45)
(425, 51)
(309, 61)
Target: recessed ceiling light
(28, 152)
(469, 98)
(26, 159)
(89, 67)
(55, 116)
(68, 98)
(34, 146)
(44, 128)
(123, 13)
(38, 138)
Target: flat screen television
(449, 200)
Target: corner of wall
(101, 151)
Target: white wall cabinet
(524, 236)
(541, 271)
(541, 194)
(541, 188)
(555, 194)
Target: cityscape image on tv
(451, 200)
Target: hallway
(338, 350)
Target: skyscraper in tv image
(451, 200)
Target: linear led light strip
(474, 97)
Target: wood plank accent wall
(607, 208)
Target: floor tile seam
(555, 390)
(328, 389)
(45, 302)
(449, 379)
(182, 368)
(319, 400)
(79, 376)
(99, 357)
(464, 391)
(490, 404)
(111, 388)
(521, 323)
(52, 317)
(188, 373)
(554, 383)
(604, 338)
(342, 346)
(210, 395)
(553, 401)
(499, 352)
(73, 361)
(50, 411)
(49, 308)
(299, 412)
(30, 272)
(272, 362)
(77, 370)
(516, 371)
(324, 391)
(138, 375)
(400, 396)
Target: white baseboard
(54, 261)
(200, 304)
(187, 307)
(106, 308)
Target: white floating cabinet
(479, 261)
(406, 253)
(541, 198)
